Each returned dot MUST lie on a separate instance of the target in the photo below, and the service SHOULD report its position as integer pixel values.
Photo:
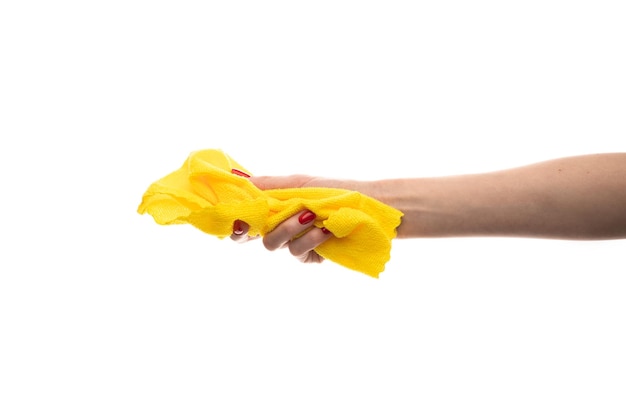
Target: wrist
(402, 194)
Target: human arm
(581, 197)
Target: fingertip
(271, 244)
(238, 227)
(240, 173)
(240, 231)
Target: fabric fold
(206, 194)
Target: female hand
(297, 233)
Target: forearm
(571, 198)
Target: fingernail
(326, 231)
(239, 173)
(237, 229)
(306, 217)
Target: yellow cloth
(206, 194)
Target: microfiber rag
(205, 193)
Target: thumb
(280, 182)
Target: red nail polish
(239, 173)
(306, 217)
(237, 229)
(325, 231)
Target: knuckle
(291, 229)
(296, 250)
(269, 243)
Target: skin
(573, 198)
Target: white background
(103, 313)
